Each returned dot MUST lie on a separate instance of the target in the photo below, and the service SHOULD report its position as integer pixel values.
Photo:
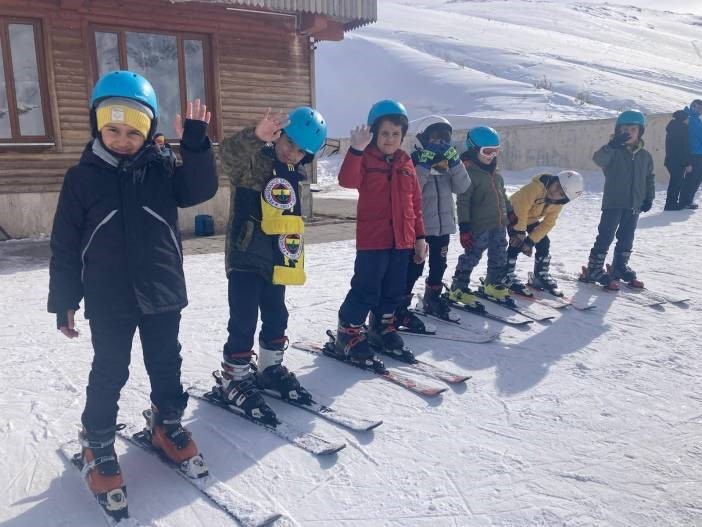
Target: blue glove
(432, 154)
(450, 154)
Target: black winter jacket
(115, 239)
(677, 142)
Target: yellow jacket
(529, 204)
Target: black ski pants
(616, 222)
(438, 251)
(675, 183)
(542, 247)
(247, 293)
(692, 182)
(112, 345)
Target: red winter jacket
(389, 211)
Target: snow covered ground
(592, 420)
(478, 61)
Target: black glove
(646, 205)
(195, 135)
(61, 318)
(527, 246)
(619, 140)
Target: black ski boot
(620, 270)
(542, 279)
(434, 303)
(102, 472)
(383, 336)
(236, 386)
(510, 280)
(272, 375)
(351, 343)
(595, 272)
(406, 319)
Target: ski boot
(272, 375)
(236, 386)
(595, 273)
(461, 293)
(101, 470)
(168, 435)
(434, 303)
(383, 336)
(406, 319)
(511, 281)
(542, 279)
(620, 270)
(350, 344)
(497, 292)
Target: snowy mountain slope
(592, 420)
(513, 60)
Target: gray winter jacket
(438, 188)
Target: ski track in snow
(591, 419)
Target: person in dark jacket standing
(264, 253)
(115, 242)
(694, 177)
(629, 189)
(678, 159)
(389, 226)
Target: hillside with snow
(478, 61)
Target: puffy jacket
(438, 187)
(529, 205)
(115, 238)
(695, 132)
(252, 168)
(677, 142)
(484, 205)
(629, 178)
(389, 210)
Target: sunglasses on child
(489, 151)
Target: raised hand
(196, 111)
(360, 137)
(270, 127)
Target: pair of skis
(244, 510)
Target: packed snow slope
(478, 61)
(592, 420)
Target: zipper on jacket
(497, 199)
(90, 240)
(438, 203)
(173, 236)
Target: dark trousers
(542, 247)
(619, 222)
(438, 250)
(247, 293)
(495, 241)
(112, 345)
(378, 284)
(677, 177)
(692, 181)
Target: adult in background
(678, 159)
(693, 179)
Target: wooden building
(240, 56)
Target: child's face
(122, 138)
(555, 192)
(389, 137)
(288, 152)
(633, 131)
(486, 155)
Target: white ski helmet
(571, 183)
(419, 127)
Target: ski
(394, 376)
(452, 338)
(655, 295)
(229, 501)
(563, 301)
(630, 295)
(527, 312)
(71, 452)
(352, 422)
(312, 443)
(514, 320)
(473, 336)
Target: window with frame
(24, 110)
(176, 64)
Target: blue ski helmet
(383, 108)
(128, 85)
(307, 129)
(631, 117)
(482, 136)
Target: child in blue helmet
(389, 227)
(441, 175)
(629, 190)
(115, 243)
(483, 212)
(264, 253)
